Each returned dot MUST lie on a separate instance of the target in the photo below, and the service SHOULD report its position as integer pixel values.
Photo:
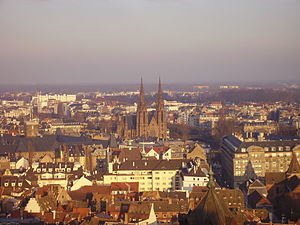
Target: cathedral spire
(142, 103)
(211, 184)
(160, 100)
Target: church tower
(142, 115)
(161, 114)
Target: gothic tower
(161, 114)
(142, 115)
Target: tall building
(143, 123)
(268, 156)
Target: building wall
(148, 180)
(33, 206)
(191, 181)
(273, 157)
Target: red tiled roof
(297, 189)
(48, 217)
(101, 189)
(263, 201)
(122, 186)
(83, 212)
(42, 190)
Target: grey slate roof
(152, 164)
(12, 144)
(234, 143)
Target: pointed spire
(142, 95)
(294, 166)
(160, 100)
(159, 86)
(211, 184)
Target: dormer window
(20, 184)
(6, 184)
(38, 170)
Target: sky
(118, 41)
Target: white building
(194, 178)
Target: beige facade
(155, 180)
(264, 156)
(262, 161)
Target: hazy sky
(104, 41)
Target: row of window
(51, 170)
(59, 176)
(273, 149)
(13, 184)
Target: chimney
(54, 214)
(126, 219)
(182, 164)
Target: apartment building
(152, 175)
(264, 156)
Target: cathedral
(144, 124)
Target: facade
(56, 173)
(252, 129)
(145, 124)
(152, 175)
(194, 179)
(31, 129)
(265, 156)
(72, 129)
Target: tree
(225, 127)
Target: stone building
(265, 157)
(143, 123)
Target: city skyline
(56, 42)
